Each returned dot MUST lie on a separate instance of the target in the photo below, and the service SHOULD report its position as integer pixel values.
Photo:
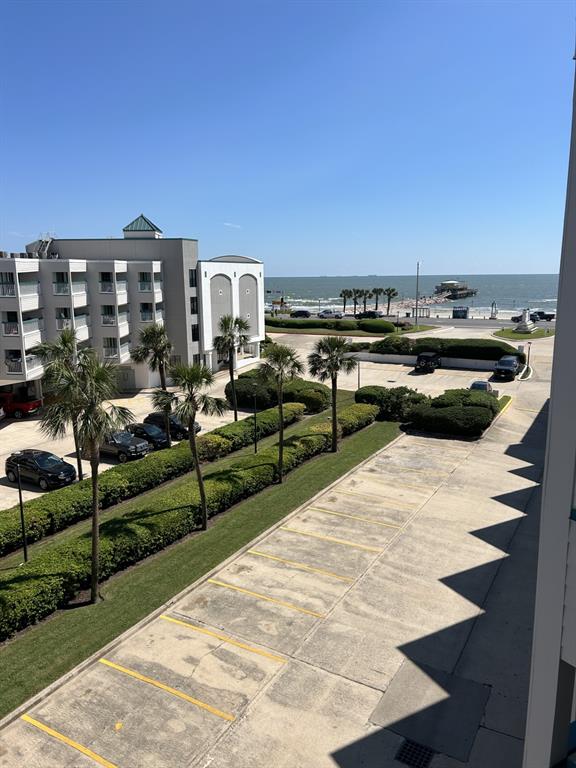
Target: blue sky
(322, 137)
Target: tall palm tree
(365, 296)
(190, 399)
(232, 333)
(58, 356)
(376, 292)
(329, 358)
(82, 396)
(356, 295)
(390, 294)
(280, 366)
(155, 349)
(345, 294)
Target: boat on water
(454, 289)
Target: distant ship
(454, 289)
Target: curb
(75, 671)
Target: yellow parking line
(397, 485)
(301, 566)
(332, 539)
(224, 638)
(69, 742)
(382, 498)
(168, 689)
(354, 517)
(267, 598)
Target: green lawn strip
(46, 651)
(332, 332)
(345, 398)
(503, 401)
(539, 333)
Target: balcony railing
(7, 289)
(120, 286)
(159, 316)
(106, 287)
(110, 352)
(108, 319)
(32, 324)
(157, 286)
(10, 329)
(123, 317)
(124, 350)
(145, 286)
(82, 321)
(33, 362)
(61, 289)
(29, 289)
(14, 366)
(63, 323)
(79, 287)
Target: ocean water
(510, 292)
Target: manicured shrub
(315, 396)
(455, 420)
(356, 417)
(466, 398)
(392, 345)
(469, 349)
(376, 326)
(246, 388)
(394, 404)
(58, 509)
(359, 346)
(345, 325)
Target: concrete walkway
(395, 605)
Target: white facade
(108, 290)
(551, 706)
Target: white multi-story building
(550, 729)
(108, 290)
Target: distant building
(108, 290)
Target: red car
(18, 406)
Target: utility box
(460, 313)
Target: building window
(108, 314)
(146, 311)
(193, 305)
(196, 359)
(145, 281)
(110, 346)
(195, 333)
(192, 275)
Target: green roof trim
(141, 224)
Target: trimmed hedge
(466, 398)
(376, 326)
(453, 420)
(58, 509)
(394, 404)
(356, 417)
(468, 349)
(55, 576)
(359, 346)
(392, 345)
(314, 395)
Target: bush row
(458, 412)
(58, 509)
(371, 326)
(469, 349)
(394, 404)
(314, 395)
(54, 577)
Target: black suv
(300, 313)
(178, 431)
(427, 362)
(507, 367)
(40, 467)
(370, 314)
(124, 446)
(153, 435)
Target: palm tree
(376, 292)
(280, 366)
(345, 294)
(155, 349)
(82, 396)
(233, 333)
(329, 358)
(390, 294)
(58, 356)
(365, 296)
(191, 399)
(356, 295)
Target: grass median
(44, 652)
(332, 332)
(539, 333)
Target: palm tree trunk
(355, 304)
(388, 307)
(365, 300)
(376, 304)
(280, 434)
(343, 305)
(95, 576)
(162, 372)
(77, 450)
(334, 419)
(199, 478)
(232, 383)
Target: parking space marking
(386, 482)
(268, 599)
(332, 539)
(168, 689)
(398, 505)
(301, 566)
(224, 638)
(69, 742)
(354, 517)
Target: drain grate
(415, 755)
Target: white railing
(10, 329)
(110, 352)
(157, 286)
(82, 321)
(108, 319)
(106, 287)
(32, 324)
(121, 286)
(63, 323)
(7, 289)
(124, 350)
(29, 289)
(159, 315)
(33, 362)
(79, 287)
(123, 317)
(61, 289)
(145, 286)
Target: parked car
(178, 431)
(370, 314)
(153, 435)
(45, 469)
(548, 316)
(300, 313)
(330, 314)
(482, 386)
(19, 406)
(124, 446)
(507, 367)
(427, 362)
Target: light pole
(417, 290)
(528, 359)
(22, 521)
(358, 359)
(255, 422)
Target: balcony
(61, 289)
(145, 287)
(79, 287)
(124, 351)
(106, 287)
(29, 289)
(82, 321)
(159, 316)
(7, 289)
(121, 286)
(108, 319)
(17, 366)
(10, 329)
(63, 323)
(123, 318)
(110, 353)
(32, 324)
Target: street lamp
(417, 290)
(22, 521)
(358, 360)
(255, 419)
(528, 358)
